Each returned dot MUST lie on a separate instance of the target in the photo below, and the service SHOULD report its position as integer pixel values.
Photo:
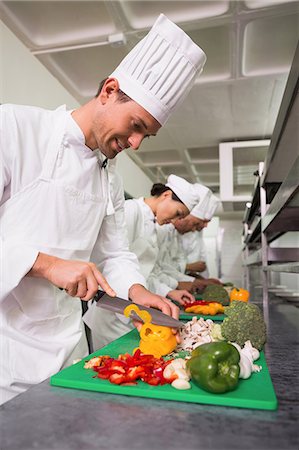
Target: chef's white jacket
(143, 241)
(194, 248)
(54, 198)
(171, 261)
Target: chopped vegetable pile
(127, 369)
(195, 332)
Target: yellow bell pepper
(154, 339)
(239, 294)
(209, 310)
(144, 315)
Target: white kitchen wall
(24, 80)
(135, 182)
(231, 251)
(210, 238)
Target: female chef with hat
(62, 215)
(172, 260)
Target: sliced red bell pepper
(197, 302)
(127, 369)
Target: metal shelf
(275, 196)
(274, 255)
(285, 267)
(254, 209)
(283, 213)
(282, 150)
(254, 235)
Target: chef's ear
(110, 87)
(167, 194)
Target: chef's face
(118, 125)
(168, 209)
(189, 223)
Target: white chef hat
(160, 70)
(201, 207)
(214, 203)
(185, 191)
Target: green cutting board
(257, 392)
(189, 316)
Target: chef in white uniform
(192, 241)
(61, 210)
(161, 208)
(172, 261)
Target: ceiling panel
(83, 82)
(142, 14)
(65, 22)
(216, 43)
(269, 45)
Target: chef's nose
(135, 140)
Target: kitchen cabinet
(274, 208)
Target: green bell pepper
(215, 367)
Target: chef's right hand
(78, 278)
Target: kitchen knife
(117, 305)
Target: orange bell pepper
(239, 294)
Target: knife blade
(117, 305)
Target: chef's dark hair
(159, 188)
(122, 97)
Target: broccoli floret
(216, 293)
(244, 322)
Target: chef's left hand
(140, 295)
(181, 296)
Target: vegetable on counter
(215, 367)
(244, 322)
(194, 333)
(154, 339)
(206, 308)
(239, 294)
(176, 370)
(216, 293)
(127, 369)
(248, 355)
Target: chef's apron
(145, 246)
(41, 326)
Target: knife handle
(98, 295)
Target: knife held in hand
(118, 305)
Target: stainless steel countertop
(47, 417)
